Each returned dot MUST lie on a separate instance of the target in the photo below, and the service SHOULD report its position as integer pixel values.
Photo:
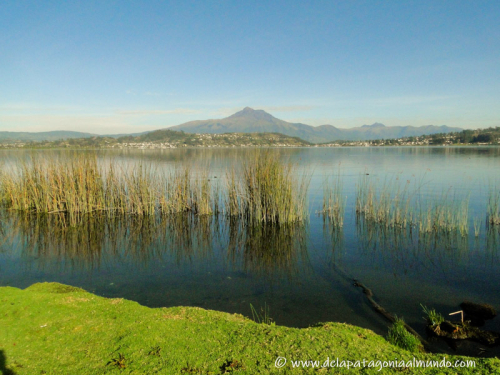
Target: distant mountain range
(250, 120)
(43, 136)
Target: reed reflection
(404, 249)
(268, 250)
(101, 239)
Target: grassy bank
(56, 329)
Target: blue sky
(127, 66)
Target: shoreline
(55, 328)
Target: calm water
(304, 274)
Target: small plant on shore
(432, 317)
(399, 336)
(263, 316)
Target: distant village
(171, 139)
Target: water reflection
(99, 238)
(268, 250)
(404, 250)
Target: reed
(401, 206)
(267, 191)
(390, 206)
(49, 186)
(494, 206)
(477, 226)
(445, 215)
(78, 185)
(334, 202)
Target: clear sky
(130, 66)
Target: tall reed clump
(186, 191)
(50, 186)
(494, 206)
(267, 191)
(79, 185)
(334, 202)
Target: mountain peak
(253, 114)
(374, 125)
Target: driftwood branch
(369, 294)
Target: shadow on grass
(3, 369)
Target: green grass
(51, 328)
(399, 336)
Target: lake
(303, 274)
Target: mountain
(250, 120)
(42, 136)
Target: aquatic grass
(477, 226)
(334, 201)
(390, 205)
(267, 191)
(50, 186)
(79, 185)
(396, 205)
(445, 215)
(494, 206)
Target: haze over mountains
(42, 136)
(249, 120)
